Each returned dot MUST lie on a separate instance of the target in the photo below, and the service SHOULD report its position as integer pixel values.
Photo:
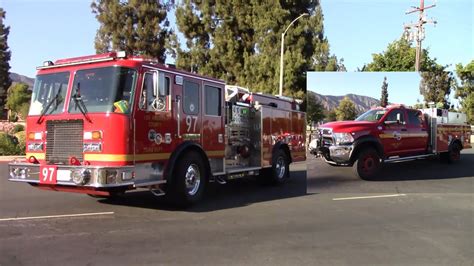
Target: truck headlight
(343, 138)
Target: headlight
(343, 138)
(313, 144)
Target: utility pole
(416, 31)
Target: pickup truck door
(417, 136)
(392, 133)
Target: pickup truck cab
(391, 134)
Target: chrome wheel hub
(280, 167)
(192, 179)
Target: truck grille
(64, 140)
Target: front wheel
(189, 180)
(367, 164)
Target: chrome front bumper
(341, 154)
(99, 177)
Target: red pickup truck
(391, 134)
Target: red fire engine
(105, 124)
(392, 134)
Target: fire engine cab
(105, 124)
(392, 134)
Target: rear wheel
(453, 155)
(188, 181)
(280, 170)
(367, 164)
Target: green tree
(5, 54)
(399, 56)
(314, 110)
(238, 41)
(331, 115)
(436, 85)
(384, 97)
(346, 110)
(465, 90)
(18, 100)
(139, 27)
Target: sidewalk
(11, 158)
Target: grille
(64, 140)
(326, 142)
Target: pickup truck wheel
(453, 155)
(189, 180)
(367, 164)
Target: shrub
(13, 117)
(8, 144)
(17, 128)
(21, 138)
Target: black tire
(367, 164)
(453, 155)
(280, 170)
(189, 180)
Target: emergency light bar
(83, 60)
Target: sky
(358, 28)
(53, 29)
(402, 86)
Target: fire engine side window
(191, 98)
(392, 116)
(213, 100)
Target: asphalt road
(246, 223)
(427, 217)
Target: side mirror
(163, 87)
(399, 119)
(155, 84)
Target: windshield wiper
(45, 110)
(80, 103)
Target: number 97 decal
(48, 174)
(191, 122)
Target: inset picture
(369, 131)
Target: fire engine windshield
(107, 89)
(49, 93)
(371, 115)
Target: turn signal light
(35, 136)
(93, 135)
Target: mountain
(16, 78)
(362, 103)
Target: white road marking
(56, 216)
(372, 197)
